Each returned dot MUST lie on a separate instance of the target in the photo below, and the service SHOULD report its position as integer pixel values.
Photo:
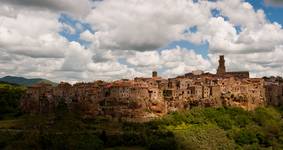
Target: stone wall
(240, 74)
(142, 99)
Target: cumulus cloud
(258, 34)
(241, 13)
(151, 58)
(126, 35)
(20, 65)
(76, 58)
(104, 56)
(144, 25)
(32, 35)
(179, 61)
(169, 62)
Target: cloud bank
(121, 39)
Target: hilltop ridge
(25, 81)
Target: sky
(86, 40)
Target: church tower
(154, 74)
(221, 68)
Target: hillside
(198, 128)
(7, 83)
(24, 81)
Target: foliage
(219, 128)
(46, 140)
(9, 99)
(204, 137)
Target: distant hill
(24, 81)
(2, 82)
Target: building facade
(143, 99)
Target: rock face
(143, 99)
(274, 91)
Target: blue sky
(273, 14)
(113, 39)
(77, 25)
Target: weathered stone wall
(240, 74)
(142, 99)
(274, 94)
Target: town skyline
(145, 98)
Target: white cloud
(76, 58)
(150, 58)
(87, 36)
(32, 35)
(241, 13)
(127, 34)
(170, 62)
(256, 46)
(144, 25)
(19, 65)
(180, 61)
(104, 56)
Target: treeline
(10, 95)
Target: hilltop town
(143, 99)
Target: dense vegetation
(10, 98)
(215, 128)
(198, 128)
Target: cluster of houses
(143, 99)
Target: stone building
(247, 93)
(38, 98)
(221, 70)
(274, 91)
(142, 99)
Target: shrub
(204, 137)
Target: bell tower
(221, 70)
(154, 74)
